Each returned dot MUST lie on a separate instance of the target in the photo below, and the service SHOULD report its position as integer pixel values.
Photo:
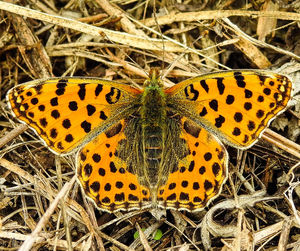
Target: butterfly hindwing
(106, 177)
(199, 174)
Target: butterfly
(151, 147)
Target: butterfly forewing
(236, 105)
(68, 112)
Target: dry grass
(41, 205)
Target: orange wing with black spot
(105, 176)
(68, 112)
(199, 176)
(235, 105)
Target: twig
(27, 245)
(218, 14)
(114, 36)
(281, 142)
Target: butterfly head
(154, 79)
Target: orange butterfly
(153, 147)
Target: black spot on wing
(95, 186)
(25, 106)
(120, 197)
(90, 109)
(246, 139)
(213, 105)
(132, 186)
(248, 106)
(220, 85)
(207, 185)
(216, 169)
(38, 88)
(239, 79)
(251, 125)
(66, 123)
(172, 186)
(62, 83)
(196, 186)
(229, 99)
(101, 171)
(113, 96)
(86, 126)
(107, 187)
(73, 106)
(55, 114)
(238, 117)
(103, 115)
(98, 90)
(184, 183)
(184, 196)
(204, 85)
(54, 101)
(82, 91)
(203, 112)
(53, 133)
(262, 79)
(260, 98)
(260, 114)
(207, 156)
(87, 169)
(69, 138)
(191, 166)
(219, 121)
(41, 108)
(34, 101)
(191, 93)
(267, 91)
(119, 184)
(236, 131)
(96, 157)
(172, 197)
(61, 87)
(43, 122)
(248, 93)
(112, 167)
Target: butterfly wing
(68, 112)
(236, 105)
(200, 172)
(105, 176)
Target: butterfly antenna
(160, 32)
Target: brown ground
(260, 200)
